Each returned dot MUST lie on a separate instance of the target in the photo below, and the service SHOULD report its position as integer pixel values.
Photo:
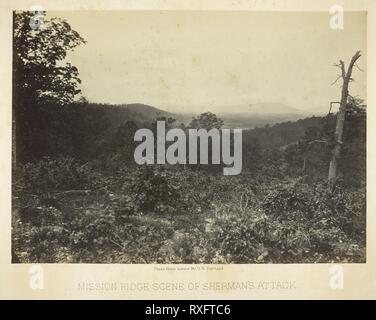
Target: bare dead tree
(338, 134)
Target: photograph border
(183, 281)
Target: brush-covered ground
(68, 212)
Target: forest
(79, 197)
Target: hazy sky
(215, 61)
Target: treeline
(303, 147)
(87, 131)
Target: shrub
(295, 223)
(50, 174)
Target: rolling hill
(244, 117)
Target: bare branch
(343, 69)
(318, 141)
(341, 65)
(352, 62)
(356, 65)
(331, 105)
(118, 244)
(339, 77)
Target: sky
(195, 61)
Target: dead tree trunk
(346, 77)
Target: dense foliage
(159, 214)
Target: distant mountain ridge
(263, 108)
(256, 115)
(271, 130)
(146, 110)
(141, 114)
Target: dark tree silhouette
(124, 142)
(40, 77)
(207, 121)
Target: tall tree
(41, 77)
(206, 120)
(124, 141)
(338, 134)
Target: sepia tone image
(189, 137)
